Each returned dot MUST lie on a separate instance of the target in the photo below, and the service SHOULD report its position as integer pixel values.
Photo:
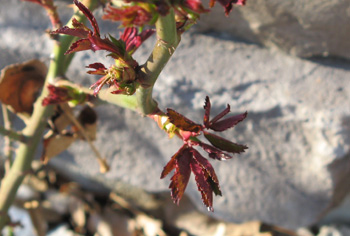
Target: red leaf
(181, 176)
(203, 186)
(195, 5)
(80, 45)
(89, 15)
(220, 115)
(171, 164)
(227, 4)
(212, 179)
(214, 152)
(131, 15)
(81, 33)
(214, 186)
(207, 107)
(99, 84)
(224, 144)
(100, 69)
(133, 40)
(228, 122)
(240, 2)
(105, 44)
(56, 95)
(182, 122)
(35, 1)
(80, 26)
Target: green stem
(167, 41)
(66, 40)
(51, 10)
(13, 135)
(7, 140)
(24, 157)
(104, 96)
(126, 101)
(35, 128)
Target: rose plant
(50, 119)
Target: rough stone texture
(298, 122)
(302, 28)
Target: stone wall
(298, 110)
(298, 27)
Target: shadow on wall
(339, 207)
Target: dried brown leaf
(56, 144)
(108, 223)
(77, 211)
(36, 183)
(35, 212)
(88, 119)
(20, 85)
(149, 225)
(61, 121)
